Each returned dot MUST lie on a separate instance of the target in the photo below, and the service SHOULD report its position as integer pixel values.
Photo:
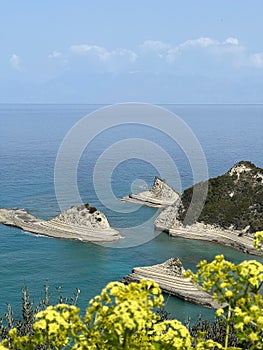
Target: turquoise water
(30, 136)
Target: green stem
(227, 327)
(124, 340)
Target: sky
(110, 51)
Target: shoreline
(235, 239)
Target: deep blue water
(30, 137)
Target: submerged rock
(160, 195)
(169, 277)
(82, 222)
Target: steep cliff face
(167, 217)
(234, 200)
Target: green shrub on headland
(234, 200)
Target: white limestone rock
(160, 196)
(83, 215)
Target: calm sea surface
(30, 137)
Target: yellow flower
(13, 332)
(253, 336)
(42, 324)
(239, 325)
(2, 347)
(254, 308)
(53, 328)
(247, 319)
(260, 321)
(219, 312)
(228, 294)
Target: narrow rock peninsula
(160, 195)
(84, 223)
(169, 277)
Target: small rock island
(84, 223)
(160, 195)
(169, 276)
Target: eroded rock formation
(169, 277)
(232, 212)
(160, 195)
(82, 222)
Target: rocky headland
(234, 200)
(232, 212)
(169, 276)
(160, 195)
(84, 223)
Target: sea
(33, 138)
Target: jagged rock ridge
(160, 195)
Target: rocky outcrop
(161, 195)
(82, 223)
(238, 240)
(83, 215)
(234, 200)
(167, 217)
(232, 212)
(169, 277)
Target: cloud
(256, 60)
(200, 42)
(160, 56)
(231, 41)
(171, 52)
(155, 45)
(174, 52)
(229, 49)
(126, 53)
(102, 53)
(162, 46)
(15, 61)
(54, 54)
(95, 50)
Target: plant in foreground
(121, 317)
(124, 317)
(239, 287)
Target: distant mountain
(128, 86)
(234, 200)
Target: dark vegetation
(90, 209)
(29, 308)
(232, 201)
(214, 330)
